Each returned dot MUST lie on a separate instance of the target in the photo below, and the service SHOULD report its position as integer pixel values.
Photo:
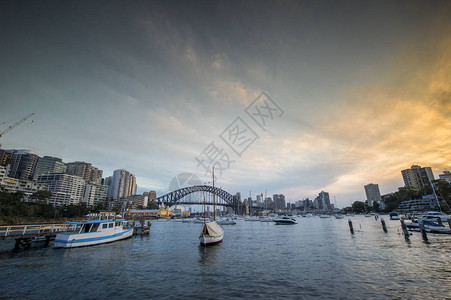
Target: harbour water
(316, 258)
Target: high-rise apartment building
(324, 200)
(279, 201)
(123, 184)
(85, 170)
(417, 177)
(49, 165)
(66, 189)
(23, 164)
(94, 194)
(372, 193)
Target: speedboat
(93, 232)
(436, 215)
(211, 234)
(285, 221)
(393, 216)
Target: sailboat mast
(214, 203)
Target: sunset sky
(364, 86)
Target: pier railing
(21, 231)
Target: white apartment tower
(123, 184)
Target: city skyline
(364, 89)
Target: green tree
(358, 207)
(41, 196)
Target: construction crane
(16, 124)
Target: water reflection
(209, 255)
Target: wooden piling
(404, 229)
(423, 230)
(350, 226)
(383, 225)
(439, 220)
(449, 223)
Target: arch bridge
(196, 194)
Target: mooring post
(449, 223)
(423, 230)
(350, 226)
(404, 229)
(383, 225)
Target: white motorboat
(309, 215)
(394, 215)
(93, 232)
(285, 221)
(436, 215)
(226, 221)
(324, 216)
(339, 216)
(429, 226)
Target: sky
(359, 90)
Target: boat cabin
(97, 225)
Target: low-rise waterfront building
(427, 202)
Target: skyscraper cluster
(70, 183)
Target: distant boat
(285, 221)
(436, 215)
(309, 215)
(226, 222)
(211, 233)
(202, 220)
(393, 216)
(93, 232)
(255, 219)
(429, 226)
(267, 219)
(324, 216)
(339, 216)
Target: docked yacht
(429, 226)
(285, 221)
(93, 232)
(436, 215)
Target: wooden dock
(26, 234)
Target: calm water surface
(317, 258)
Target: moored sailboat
(211, 233)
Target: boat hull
(66, 240)
(208, 240)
